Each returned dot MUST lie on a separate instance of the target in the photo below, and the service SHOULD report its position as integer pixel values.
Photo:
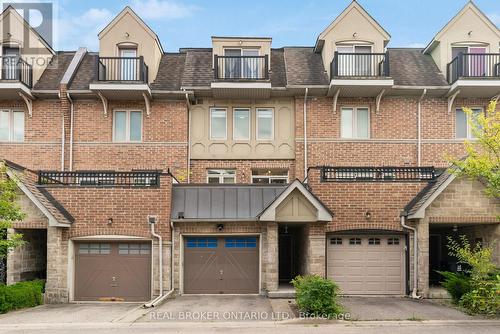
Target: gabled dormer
(466, 51)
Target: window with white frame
(355, 122)
(218, 123)
(127, 126)
(11, 125)
(265, 123)
(272, 176)
(241, 124)
(221, 176)
(463, 123)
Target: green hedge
(21, 295)
(316, 296)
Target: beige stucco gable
(296, 208)
(354, 26)
(127, 30)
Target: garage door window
(355, 241)
(134, 249)
(393, 241)
(373, 241)
(336, 241)
(201, 243)
(94, 248)
(241, 242)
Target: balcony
(473, 75)
(16, 76)
(377, 174)
(360, 74)
(100, 178)
(241, 76)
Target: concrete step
(438, 293)
(288, 293)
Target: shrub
(456, 284)
(484, 298)
(21, 295)
(316, 296)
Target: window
(127, 126)
(128, 65)
(336, 241)
(201, 243)
(134, 249)
(355, 65)
(221, 176)
(11, 125)
(241, 242)
(355, 241)
(373, 241)
(393, 241)
(94, 248)
(265, 124)
(236, 66)
(218, 123)
(355, 123)
(241, 124)
(463, 125)
(269, 176)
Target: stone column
(423, 257)
(56, 287)
(272, 274)
(316, 248)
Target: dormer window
(10, 63)
(128, 64)
(356, 60)
(242, 64)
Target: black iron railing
(128, 69)
(335, 174)
(360, 65)
(16, 68)
(241, 67)
(100, 178)
(473, 65)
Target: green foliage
(317, 296)
(483, 156)
(21, 295)
(9, 212)
(456, 284)
(484, 294)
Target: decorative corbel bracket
(104, 103)
(495, 98)
(29, 103)
(147, 101)
(451, 99)
(335, 99)
(378, 99)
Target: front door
(10, 63)
(128, 64)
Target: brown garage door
(221, 265)
(113, 270)
(367, 265)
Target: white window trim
(127, 126)
(223, 173)
(272, 177)
(355, 123)
(10, 126)
(353, 46)
(249, 123)
(469, 131)
(257, 124)
(210, 121)
(258, 49)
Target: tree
(9, 213)
(482, 159)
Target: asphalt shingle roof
(410, 67)
(54, 72)
(170, 72)
(304, 67)
(85, 73)
(419, 200)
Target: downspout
(414, 293)
(305, 134)
(189, 140)
(71, 121)
(63, 139)
(419, 127)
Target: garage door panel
(367, 264)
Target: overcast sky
(190, 23)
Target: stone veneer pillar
(423, 257)
(56, 287)
(272, 279)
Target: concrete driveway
(387, 308)
(71, 313)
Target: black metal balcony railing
(128, 69)
(100, 178)
(336, 174)
(15, 68)
(359, 65)
(473, 65)
(241, 67)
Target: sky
(191, 23)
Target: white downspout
(419, 127)
(414, 293)
(71, 132)
(189, 140)
(63, 140)
(305, 134)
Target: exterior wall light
(220, 227)
(109, 221)
(368, 215)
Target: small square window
(336, 241)
(373, 241)
(221, 176)
(355, 123)
(355, 241)
(127, 126)
(393, 241)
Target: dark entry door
(118, 271)
(227, 265)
